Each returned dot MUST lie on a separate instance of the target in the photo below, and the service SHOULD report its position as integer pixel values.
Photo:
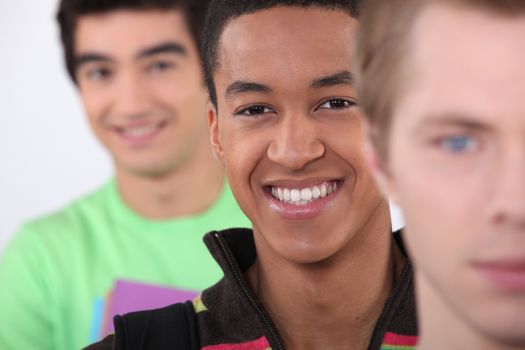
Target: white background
(48, 155)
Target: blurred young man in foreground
(442, 84)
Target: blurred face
(457, 168)
(139, 76)
(289, 132)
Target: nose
(130, 96)
(508, 205)
(296, 142)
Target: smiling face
(457, 168)
(140, 79)
(289, 132)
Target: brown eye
(161, 66)
(99, 74)
(336, 103)
(254, 110)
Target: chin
(506, 329)
(148, 167)
(511, 337)
(307, 252)
(497, 320)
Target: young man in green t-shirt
(137, 69)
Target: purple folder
(128, 296)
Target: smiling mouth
(306, 195)
(140, 132)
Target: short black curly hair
(221, 12)
(70, 10)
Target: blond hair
(382, 46)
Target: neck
(189, 189)
(333, 304)
(442, 328)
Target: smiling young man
(448, 144)
(138, 70)
(321, 269)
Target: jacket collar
(237, 243)
(240, 244)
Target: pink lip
(306, 211)
(507, 274)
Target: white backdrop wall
(48, 155)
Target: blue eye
(254, 110)
(458, 143)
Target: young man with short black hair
(321, 269)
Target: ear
(213, 122)
(378, 164)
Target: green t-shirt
(57, 272)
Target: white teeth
(139, 131)
(296, 195)
(305, 195)
(323, 190)
(287, 195)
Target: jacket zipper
(390, 300)
(247, 293)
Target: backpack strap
(171, 327)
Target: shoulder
(57, 229)
(157, 328)
(67, 218)
(108, 343)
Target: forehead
(469, 61)
(287, 42)
(125, 31)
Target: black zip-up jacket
(229, 316)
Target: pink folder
(128, 296)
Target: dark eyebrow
(343, 77)
(240, 87)
(91, 57)
(167, 47)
